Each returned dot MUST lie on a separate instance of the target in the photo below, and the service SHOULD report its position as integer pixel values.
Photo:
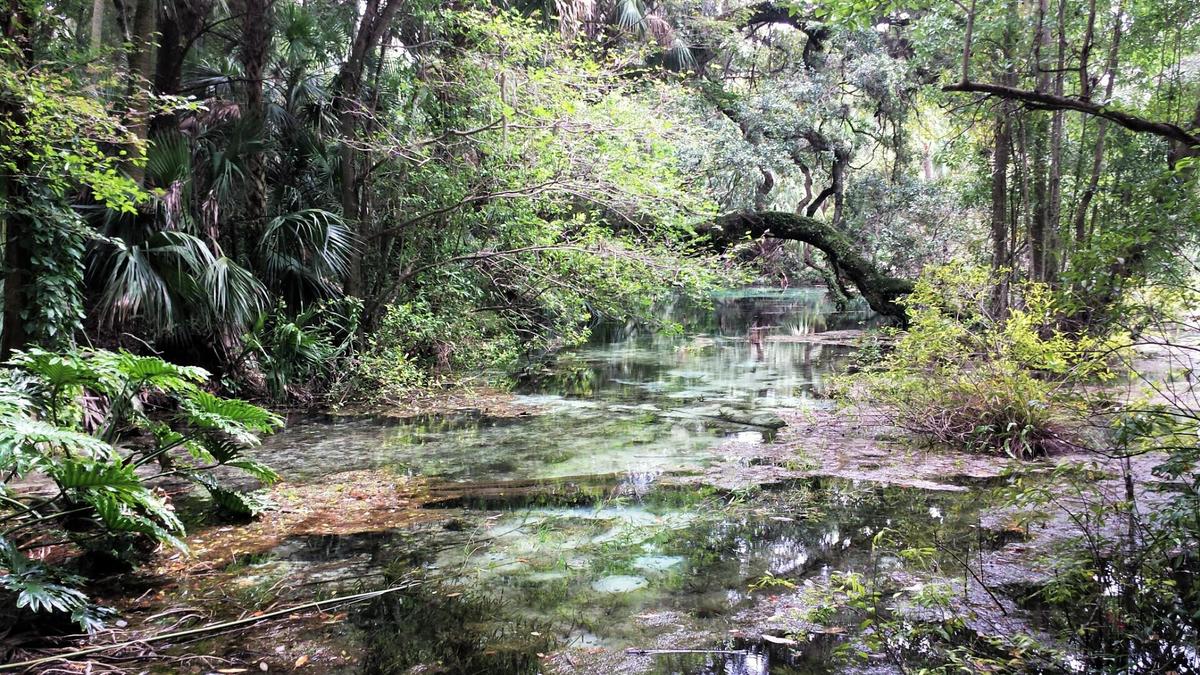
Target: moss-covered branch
(880, 290)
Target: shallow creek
(567, 519)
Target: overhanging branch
(1167, 130)
(880, 290)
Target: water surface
(561, 520)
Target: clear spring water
(631, 401)
(623, 563)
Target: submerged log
(880, 290)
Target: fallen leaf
(301, 661)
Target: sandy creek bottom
(560, 540)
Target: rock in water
(764, 419)
(620, 583)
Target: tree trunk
(16, 276)
(1039, 223)
(179, 23)
(1039, 216)
(141, 63)
(1054, 182)
(16, 30)
(347, 106)
(97, 40)
(880, 290)
(256, 43)
(1000, 250)
(1089, 193)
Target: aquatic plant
(452, 630)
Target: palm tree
(218, 244)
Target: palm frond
(235, 297)
(168, 159)
(630, 14)
(133, 288)
(312, 246)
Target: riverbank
(624, 498)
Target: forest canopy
(259, 186)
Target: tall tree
(373, 25)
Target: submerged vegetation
(208, 207)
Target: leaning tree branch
(880, 290)
(1167, 130)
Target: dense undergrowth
(90, 443)
(968, 375)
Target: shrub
(82, 436)
(415, 342)
(968, 377)
(298, 357)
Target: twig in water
(358, 597)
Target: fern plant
(84, 435)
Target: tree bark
(180, 22)
(97, 37)
(1050, 271)
(256, 43)
(880, 290)
(1167, 130)
(140, 73)
(1000, 250)
(1039, 225)
(348, 108)
(1089, 193)
(17, 30)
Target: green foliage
(84, 435)
(305, 354)
(922, 627)
(415, 342)
(59, 136)
(966, 376)
(1120, 591)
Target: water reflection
(634, 400)
(595, 553)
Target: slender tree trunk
(1000, 224)
(348, 107)
(97, 40)
(1089, 193)
(1039, 217)
(1054, 182)
(1085, 52)
(255, 47)
(1039, 223)
(967, 46)
(141, 65)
